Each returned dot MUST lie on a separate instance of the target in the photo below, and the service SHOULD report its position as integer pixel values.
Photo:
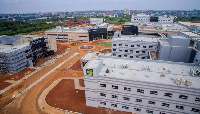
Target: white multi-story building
(142, 18)
(96, 21)
(142, 86)
(131, 46)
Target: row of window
(150, 111)
(133, 45)
(131, 51)
(130, 56)
(141, 91)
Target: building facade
(142, 86)
(142, 18)
(20, 52)
(134, 46)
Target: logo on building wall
(89, 72)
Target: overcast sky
(29, 6)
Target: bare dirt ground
(73, 99)
(27, 103)
(6, 77)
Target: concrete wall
(51, 43)
(108, 101)
(180, 54)
(76, 36)
(164, 52)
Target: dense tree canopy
(17, 27)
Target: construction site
(54, 85)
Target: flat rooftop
(89, 55)
(178, 36)
(152, 71)
(191, 34)
(164, 42)
(146, 38)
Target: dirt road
(27, 103)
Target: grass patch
(105, 44)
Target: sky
(33, 6)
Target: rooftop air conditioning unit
(178, 81)
(188, 82)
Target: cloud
(11, 1)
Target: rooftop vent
(107, 71)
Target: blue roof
(9, 40)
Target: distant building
(142, 86)
(142, 18)
(126, 11)
(96, 21)
(130, 30)
(130, 12)
(128, 46)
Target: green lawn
(105, 44)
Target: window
(114, 96)
(103, 94)
(137, 109)
(131, 51)
(140, 90)
(125, 107)
(114, 49)
(197, 99)
(152, 102)
(162, 113)
(179, 107)
(125, 55)
(119, 56)
(114, 44)
(114, 105)
(114, 54)
(195, 110)
(150, 46)
(137, 51)
(103, 103)
(165, 104)
(126, 98)
(127, 89)
(168, 95)
(143, 57)
(103, 85)
(120, 50)
(138, 45)
(126, 51)
(131, 56)
(149, 111)
(183, 97)
(120, 44)
(143, 51)
(114, 87)
(144, 47)
(126, 44)
(153, 92)
(132, 45)
(138, 100)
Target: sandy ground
(73, 99)
(27, 103)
